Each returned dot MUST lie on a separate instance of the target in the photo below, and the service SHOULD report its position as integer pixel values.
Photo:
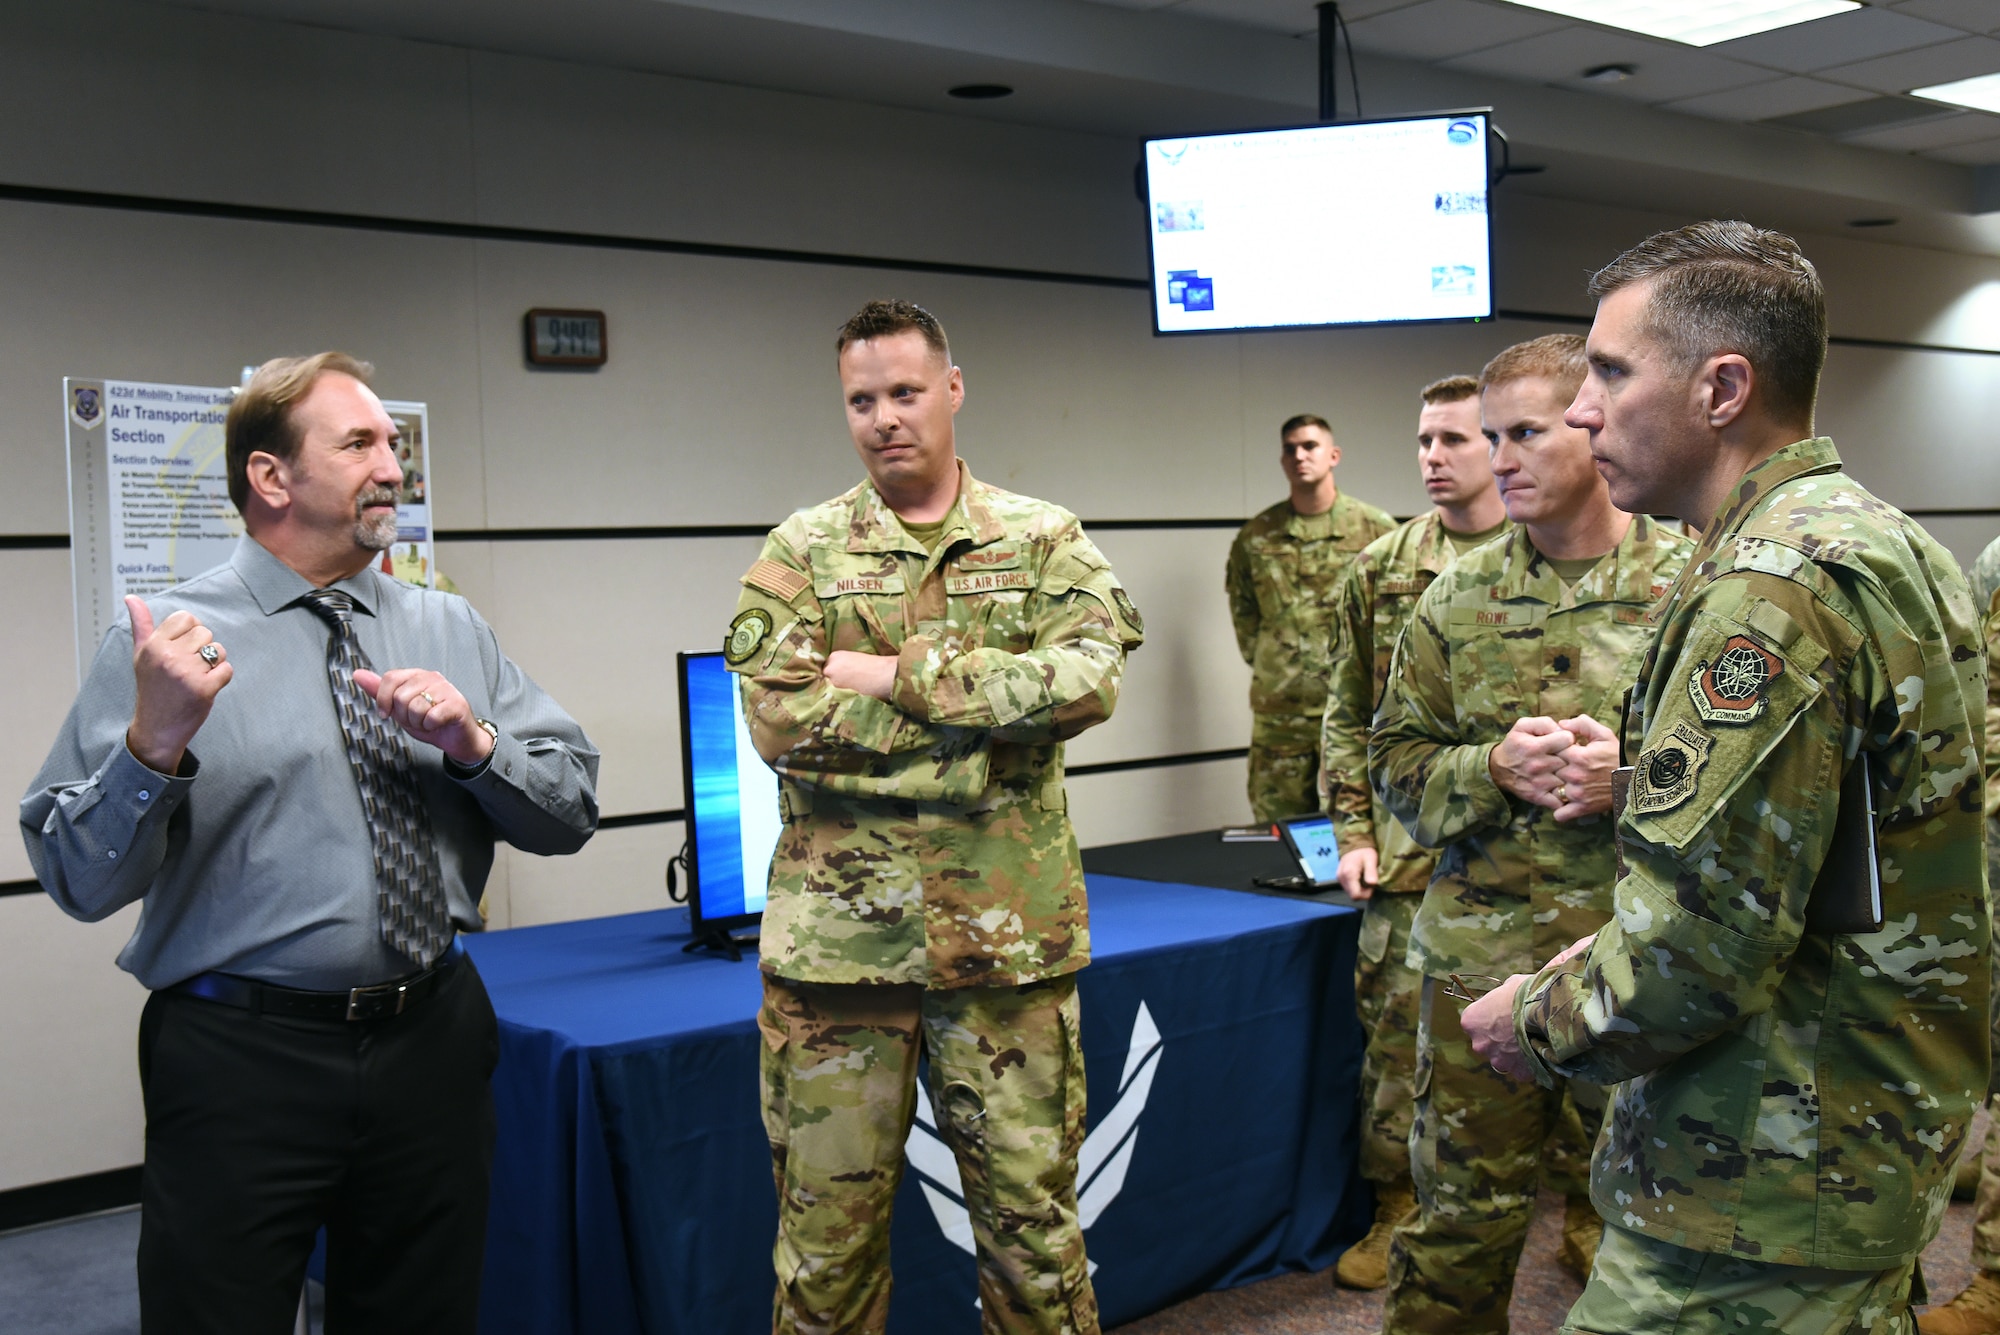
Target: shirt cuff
(506, 757)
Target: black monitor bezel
(1146, 188)
(728, 922)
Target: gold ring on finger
(429, 699)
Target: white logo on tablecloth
(1101, 1165)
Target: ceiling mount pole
(1329, 26)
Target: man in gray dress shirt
(298, 766)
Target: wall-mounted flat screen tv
(1361, 222)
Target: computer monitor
(1360, 222)
(732, 800)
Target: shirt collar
(875, 527)
(1625, 574)
(275, 586)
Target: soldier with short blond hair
(1494, 746)
(913, 654)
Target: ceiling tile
(1971, 15)
(1981, 154)
(1837, 40)
(1663, 72)
(1899, 73)
(1944, 132)
(1778, 97)
(1441, 29)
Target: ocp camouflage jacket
(1498, 638)
(1372, 603)
(926, 839)
(1790, 1095)
(1282, 569)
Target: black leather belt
(380, 1002)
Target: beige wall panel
(1186, 689)
(565, 146)
(720, 402)
(618, 871)
(68, 1042)
(43, 686)
(1915, 427)
(597, 624)
(168, 100)
(192, 300)
(1148, 803)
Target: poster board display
(149, 494)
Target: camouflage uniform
(1790, 1098)
(1496, 638)
(1985, 580)
(927, 870)
(1281, 575)
(1371, 605)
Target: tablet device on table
(1310, 838)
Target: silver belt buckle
(355, 995)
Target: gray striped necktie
(416, 919)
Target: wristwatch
(492, 728)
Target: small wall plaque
(565, 338)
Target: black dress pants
(261, 1129)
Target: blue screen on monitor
(733, 797)
(1312, 839)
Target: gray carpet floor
(75, 1278)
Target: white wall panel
(618, 871)
(192, 300)
(1917, 427)
(1147, 803)
(68, 1042)
(41, 688)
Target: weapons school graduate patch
(745, 634)
(1666, 773)
(1736, 686)
(1127, 610)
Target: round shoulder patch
(745, 634)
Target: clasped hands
(177, 684)
(1565, 766)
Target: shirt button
(143, 794)
(110, 852)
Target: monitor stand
(727, 943)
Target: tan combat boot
(1973, 1312)
(1365, 1265)
(1582, 1231)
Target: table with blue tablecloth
(632, 1179)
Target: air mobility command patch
(1666, 773)
(745, 634)
(1734, 688)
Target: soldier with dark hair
(1280, 577)
(1381, 867)
(1493, 746)
(1791, 994)
(913, 655)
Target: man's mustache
(373, 496)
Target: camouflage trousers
(1641, 1286)
(839, 1066)
(1476, 1152)
(1386, 996)
(1986, 1204)
(1284, 766)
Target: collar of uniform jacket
(1342, 519)
(276, 586)
(1624, 576)
(875, 527)
(1812, 455)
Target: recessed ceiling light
(981, 92)
(1609, 73)
(1981, 93)
(1694, 22)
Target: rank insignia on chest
(1733, 689)
(1666, 773)
(745, 634)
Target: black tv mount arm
(1332, 31)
